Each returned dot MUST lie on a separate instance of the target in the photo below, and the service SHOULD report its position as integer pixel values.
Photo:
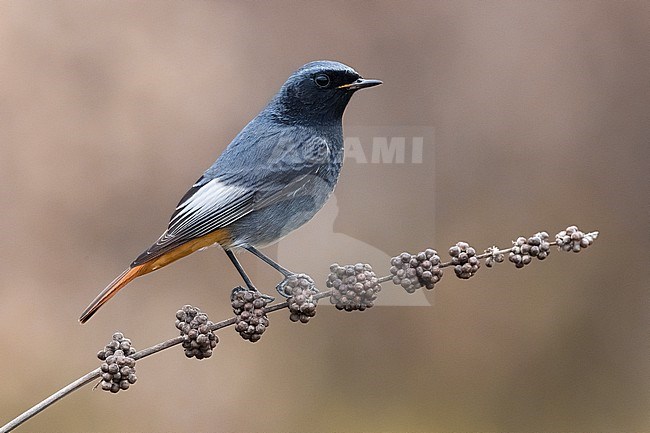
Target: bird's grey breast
(296, 174)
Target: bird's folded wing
(204, 208)
(230, 190)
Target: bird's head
(318, 92)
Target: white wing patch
(210, 207)
(211, 203)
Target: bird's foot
(295, 283)
(238, 289)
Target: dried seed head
(300, 290)
(572, 239)
(415, 271)
(198, 340)
(523, 250)
(118, 368)
(464, 260)
(118, 342)
(249, 308)
(354, 287)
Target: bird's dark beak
(359, 84)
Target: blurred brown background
(541, 111)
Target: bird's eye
(322, 80)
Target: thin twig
(83, 380)
(95, 374)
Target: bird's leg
(284, 271)
(269, 261)
(241, 271)
(244, 276)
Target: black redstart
(271, 179)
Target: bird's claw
(238, 289)
(267, 298)
(281, 289)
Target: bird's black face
(320, 91)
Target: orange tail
(125, 278)
(175, 253)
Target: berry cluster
(354, 287)
(574, 240)
(415, 271)
(494, 257)
(198, 339)
(523, 250)
(300, 289)
(251, 319)
(118, 368)
(464, 259)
